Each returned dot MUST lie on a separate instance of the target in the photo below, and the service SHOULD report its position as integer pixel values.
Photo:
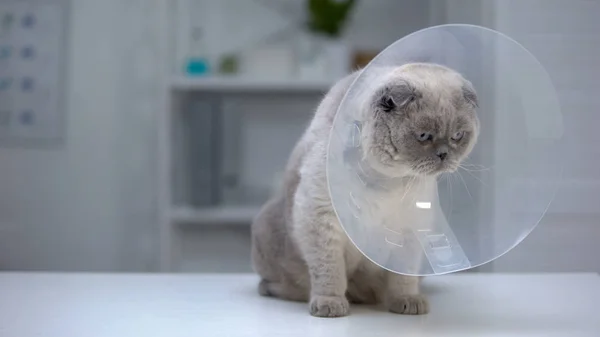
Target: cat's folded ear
(469, 94)
(396, 96)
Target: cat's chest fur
(398, 208)
(401, 205)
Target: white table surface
(127, 305)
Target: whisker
(472, 165)
(475, 166)
(409, 185)
(419, 183)
(455, 179)
(474, 170)
(474, 176)
(466, 187)
(449, 184)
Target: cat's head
(420, 121)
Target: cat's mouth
(434, 168)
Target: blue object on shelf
(197, 66)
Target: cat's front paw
(409, 305)
(329, 306)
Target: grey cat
(420, 120)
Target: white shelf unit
(232, 215)
(177, 217)
(247, 85)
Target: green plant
(229, 64)
(328, 17)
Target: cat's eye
(387, 103)
(458, 136)
(424, 136)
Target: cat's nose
(442, 152)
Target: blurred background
(143, 135)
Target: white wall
(460, 11)
(88, 204)
(564, 37)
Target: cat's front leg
(402, 295)
(321, 242)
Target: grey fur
(299, 248)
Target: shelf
(248, 85)
(231, 215)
